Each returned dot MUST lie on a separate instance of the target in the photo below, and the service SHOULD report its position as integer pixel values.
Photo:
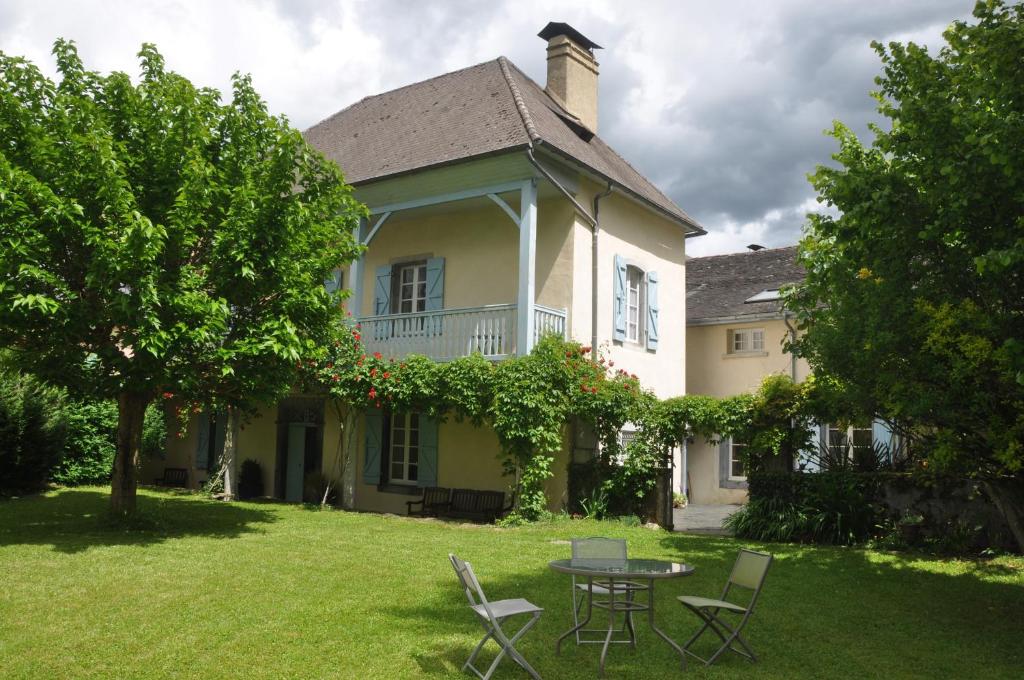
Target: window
(634, 304)
(736, 471)
(410, 294)
(746, 340)
(853, 440)
(405, 448)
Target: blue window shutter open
(881, 434)
(652, 311)
(203, 440)
(428, 452)
(374, 437)
(619, 300)
(382, 291)
(435, 284)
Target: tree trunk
(229, 460)
(131, 411)
(344, 469)
(1008, 496)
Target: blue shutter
(428, 452)
(374, 437)
(619, 301)
(882, 434)
(435, 284)
(203, 440)
(334, 282)
(382, 291)
(652, 311)
(219, 432)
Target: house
(497, 214)
(735, 330)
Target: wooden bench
(173, 477)
(434, 501)
(483, 506)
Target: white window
(411, 288)
(853, 439)
(635, 303)
(405, 448)
(743, 340)
(736, 471)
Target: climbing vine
(530, 401)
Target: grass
(257, 590)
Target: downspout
(792, 338)
(593, 267)
(594, 229)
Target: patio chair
(492, 615)
(748, 573)
(601, 551)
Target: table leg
(581, 624)
(611, 625)
(650, 621)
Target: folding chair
(491, 616)
(601, 551)
(748, 572)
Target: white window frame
(636, 280)
(734, 458)
(746, 341)
(417, 302)
(406, 423)
(848, 433)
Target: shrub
(250, 480)
(31, 431)
(769, 519)
(92, 441)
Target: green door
(295, 470)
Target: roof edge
(745, 318)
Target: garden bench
(434, 501)
(483, 506)
(173, 477)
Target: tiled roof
(717, 286)
(476, 111)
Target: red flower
(583, 387)
(168, 395)
(386, 375)
(610, 364)
(373, 393)
(330, 364)
(335, 377)
(373, 372)
(593, 390)
(378, 355)
(357, 337)
(585, 349)
(359, 326)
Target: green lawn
(275, 591)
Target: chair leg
(716, 625)
(507, 647)
(476, 650)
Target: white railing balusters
(451, 333)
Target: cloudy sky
(721, 104)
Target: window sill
(400, 489)
(743, 355)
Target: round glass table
(620, 600)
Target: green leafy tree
(914, 296)
(156, 240)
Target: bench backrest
(436, 495)
(176, 475)
(464, 500)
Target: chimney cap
(556, 28)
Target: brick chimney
(572, 71)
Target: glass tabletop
(630, 568)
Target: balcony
(452, 333)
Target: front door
(295, 470)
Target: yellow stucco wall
(712, 371)
(652, 243)
(480, 244)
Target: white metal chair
(601, 551)
(748, 572)
(492, 615)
